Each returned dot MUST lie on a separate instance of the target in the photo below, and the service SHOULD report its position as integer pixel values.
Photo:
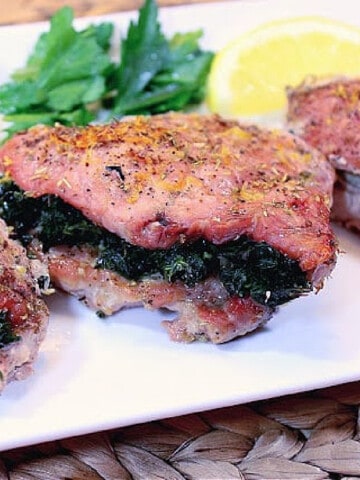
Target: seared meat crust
(327, 116)
(26, 313)
(171, 178)
(174, 178)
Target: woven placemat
(309, 436)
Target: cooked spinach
(187, 263)
(6, 334)
(47, 217)
(17, 209)
(119, 256)
(260, 271)
(61, 224)
(246, 268)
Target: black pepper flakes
(117, 169)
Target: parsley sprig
(70, 76)
(157, 74)
(65, 73)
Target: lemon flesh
(249, 76)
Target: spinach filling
(6, 334)
(246, 268)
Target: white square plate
(95, 374)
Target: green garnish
(157, 74)
(70, 76)
(65, 73)
(6, 334)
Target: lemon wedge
(249, 76)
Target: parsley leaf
(143, 53)
(70, 75)
(156, 74)
(60, 77)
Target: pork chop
(23, 314)
(165, 183)
(327, 116)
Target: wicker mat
(308, 436)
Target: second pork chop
(23, 314)
(327, 116)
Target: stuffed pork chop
(23, 314)
(327, 116)
(218, 221)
